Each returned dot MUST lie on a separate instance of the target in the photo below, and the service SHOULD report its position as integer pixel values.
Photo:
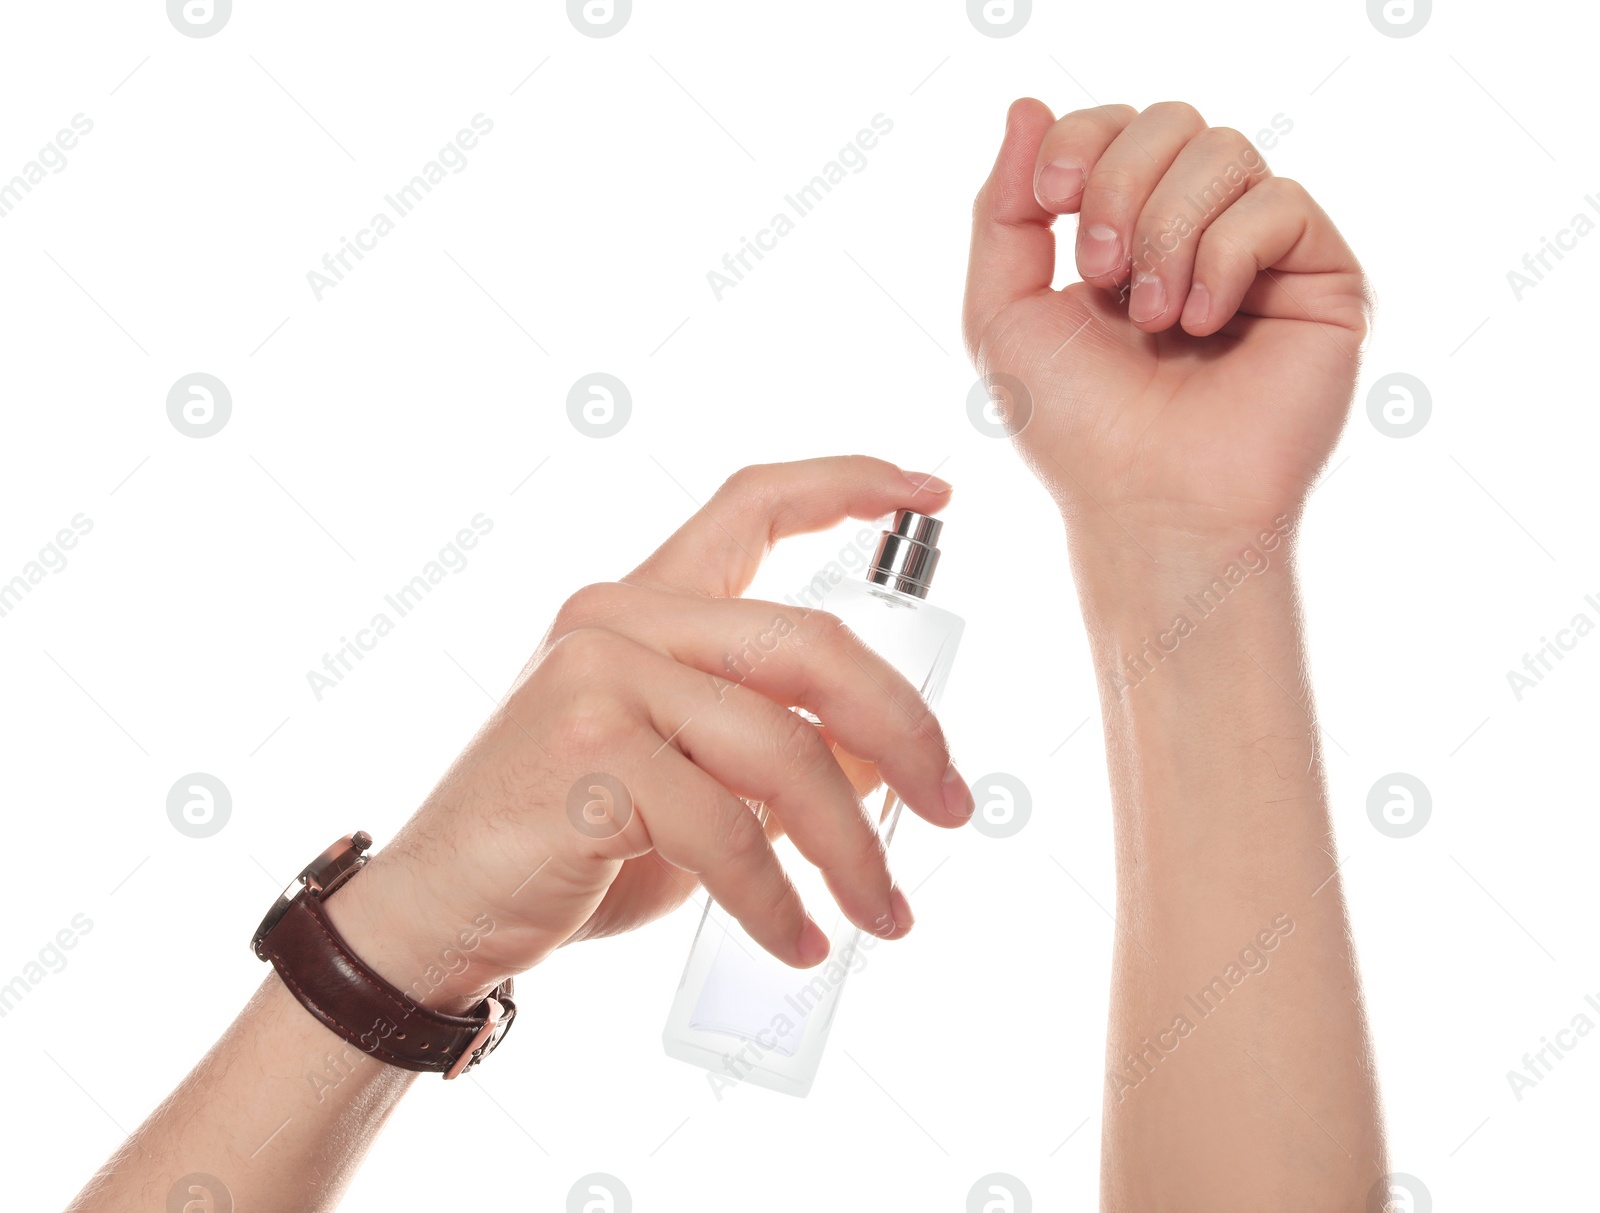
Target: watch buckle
(483, 1043)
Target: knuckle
(751, 490)
(588, 725)
(1358, 319)
(590, 604)
(1109, 187)
(1155, 236)
(822, 629)
(1224, 138)
(1113, 116)
(868, 854)
(1178, 113)
(797, 746)
(1236, 147)
(1287, 189)
(740, 838)
(1222, 250)
(826, 643)
(582, 655)
(924, 727)
(1086, 130)
(983, 202)
(749, 481)
(778, 900)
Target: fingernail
(957, 796)
(925, 483)
(1149, 298)
(1198, 308)
(1099, 251)
(813, 944)
(1059, 182)
(904, 919)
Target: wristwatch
(352, 1000)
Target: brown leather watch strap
(354, 1002)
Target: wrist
(1170, 599)
(1130, 557)
(394, 923)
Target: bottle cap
(908, 554)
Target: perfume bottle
(740, 1013)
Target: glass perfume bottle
(740, 1013)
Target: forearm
(1238, 1063)
(280, 1111)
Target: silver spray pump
(908, 554)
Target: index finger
(719, 549)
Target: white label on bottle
(750, 995)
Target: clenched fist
(1195, 380)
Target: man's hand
(612, 780)
(1197, 378)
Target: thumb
(1013, 250)
(719, 549)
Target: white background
(369, 427)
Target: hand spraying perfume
(739, 1012)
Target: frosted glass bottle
(740, 1013)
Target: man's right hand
(613, 778)
(1197, 378)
